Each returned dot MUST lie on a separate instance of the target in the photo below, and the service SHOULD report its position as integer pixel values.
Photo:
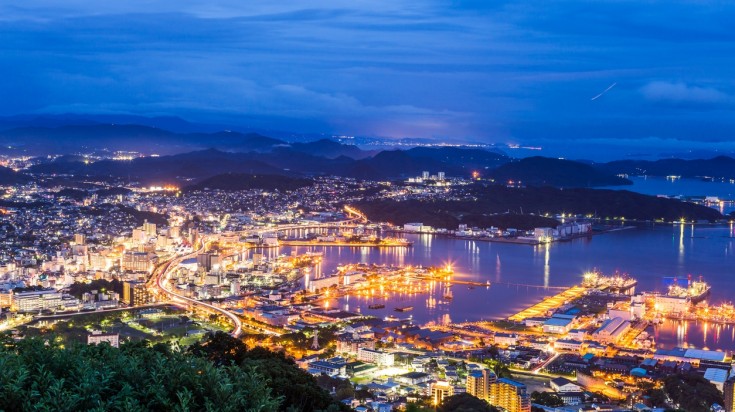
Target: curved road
(162, 277)
(161, 274)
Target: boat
(617, 283)
(404, 309)
(696, 291)
(376, 306)
(448, 295)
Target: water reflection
(648, 254)
(707, 335)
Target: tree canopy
(691, 392)
(464, 402)
(218, 374)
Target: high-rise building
(440, 175)
(204, 261)
(137, 261)
(149, 229)
(425, 175)
(729, 391)
(135, 293)
(479, 381)
(439, 391)
(80, 238)
(510, 395)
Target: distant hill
(126, 137)
(545, 171)
(242, 181)
(330, 149)
(9, 176)
(717, 167)
(271, 156)
(495, 200)
(164, 169)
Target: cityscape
(353, 231)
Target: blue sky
(490, 71)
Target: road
(161, 275)
(162, 272)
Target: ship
(404, 309)
(376, 306)
(448, 295)
(696, 291)
(616, 283)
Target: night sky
(634, 74)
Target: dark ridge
(241, 181)
(545, 171)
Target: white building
(35, 301)
(98, 337)
(377, 357)
(669, 304)
(611, 330)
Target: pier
(548, 304)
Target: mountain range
(193, 156)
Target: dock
(342, 244)
(550, 303)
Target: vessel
(404, 309)
(376, 306)
(696, 290)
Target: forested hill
(524, 208)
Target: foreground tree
(41, 375)
(546, 399)
(691, 392)
(464, 402)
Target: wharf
(548, 304)
(342, 244)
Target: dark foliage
(546, 171)
(465, 402)
(298, 389)
(546, 399)
(77, 289)
(241, 181)
(691, 392)
(501, 202)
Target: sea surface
(650, 185)
(521, 275)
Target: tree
(297, 388)
(657, 397)
(464, 402)
(41, 375)
(692, 392)
(546, 399)
(221, 349)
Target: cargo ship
(617, 283)
(696, 291)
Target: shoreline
(517, 240)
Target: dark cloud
(479, 70)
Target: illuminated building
(98, 337)
(729, 391)
(37, 300)
(478, 382)
(137, 261)
(135, 293)
(510, 395)
(439, 391)
(6, 298)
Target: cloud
(473, 69)
(682, 93)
